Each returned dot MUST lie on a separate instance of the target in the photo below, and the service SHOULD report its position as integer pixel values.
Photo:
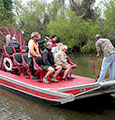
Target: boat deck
(78, 80)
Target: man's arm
(41, 42)
(98, 50)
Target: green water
(84, 66)
(16, 106)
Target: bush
(74, 31)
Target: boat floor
(78, 80)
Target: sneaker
(68, 78)
(46, 80)
(54, 80)
(63, 78)
(33, 77)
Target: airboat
(15, 74)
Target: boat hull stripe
(79, 91)
(30, 91)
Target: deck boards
(53, 86)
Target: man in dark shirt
(49, 64)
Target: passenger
(33, 51)
(49, 64)
(61, 60)
(56, 49)
(105, 46)
(41, 42)
(8, 38)
(14, 38)
(53, 40)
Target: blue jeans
(31, 66)
(108, 62)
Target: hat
(64, 47)
(53, 36)
(97, 36)
(34, 34)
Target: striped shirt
(33, 48)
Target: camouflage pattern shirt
(105, 46)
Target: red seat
(9, 51)
(37, 69)
(26, 64)
(18, 63)
(23, 49)
(73, 65)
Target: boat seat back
(73, 65)
(18, 58)
(18, 64)
(24, 48)
(9, 50)
(25, 60)
(39, 71)
(26, 64)
(16, 46)
(38, 60)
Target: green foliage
(30, 17)
(56, 18)
(53, 9)
(6, 14)
(8, 4)
(74, 31)
(109, 22)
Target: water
(16, 106)
(84, 66)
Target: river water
(17, 106)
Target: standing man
(33, 51)
(49, 64)
(105, 46)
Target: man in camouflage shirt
(105, 46)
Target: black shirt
(48, 58)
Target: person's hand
(98, 54)
(39, 55)
(55, 64)
(47, 38)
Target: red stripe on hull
(79, 91)
(30, 91)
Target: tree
(83, 8)
(31, 17)
(74, 31)
(6, 14)
(8, 4)
(55, 8)
(109, 21)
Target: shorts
(62, 65)
(45, 67)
